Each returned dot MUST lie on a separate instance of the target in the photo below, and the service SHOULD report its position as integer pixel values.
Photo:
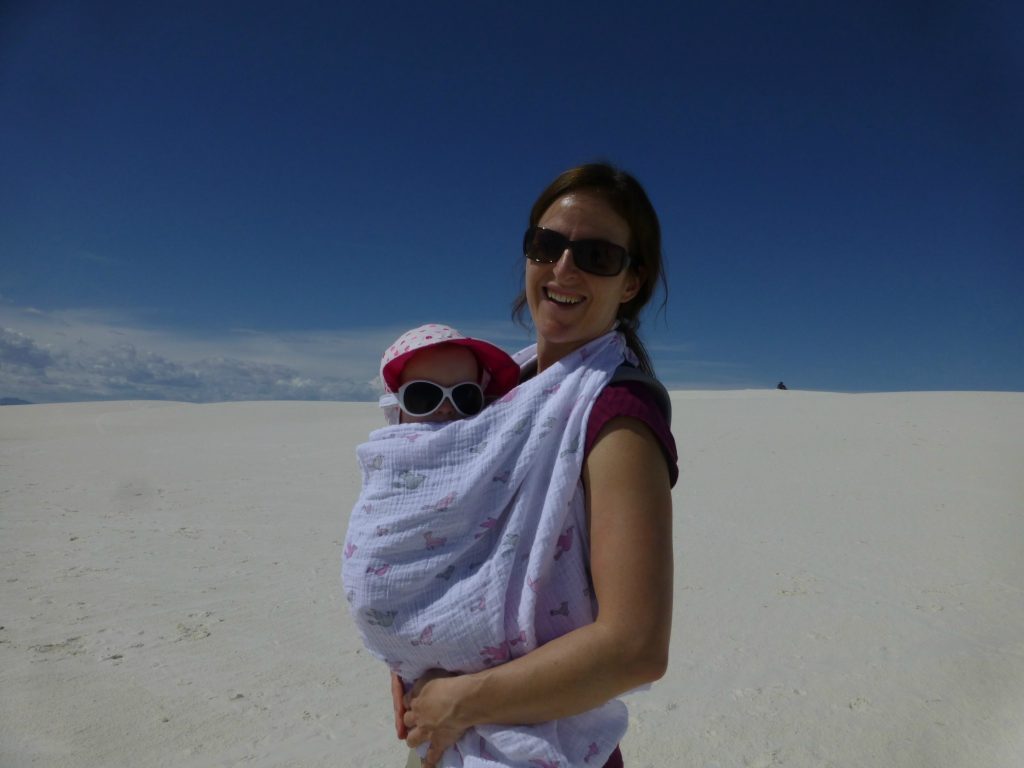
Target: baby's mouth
(562, 299)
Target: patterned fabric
(467, 548)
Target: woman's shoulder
(635, 397)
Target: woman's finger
(415, 738)
(398, 701)
(433, 757)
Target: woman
(593, 260)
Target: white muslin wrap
(468, 548)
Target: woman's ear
(634, 281)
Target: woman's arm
(629, 506)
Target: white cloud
(20, 352)
(87, 355)
(69, 355)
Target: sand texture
(849, 586)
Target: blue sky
(217, 201)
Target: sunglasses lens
(421, 397)
(468, 398)
(598, 257)
(543, 245)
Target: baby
(462, 550)
(435, 374)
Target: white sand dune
(849, 589)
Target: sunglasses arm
(389, 404)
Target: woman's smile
(563, 298)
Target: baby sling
(467, 548)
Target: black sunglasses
(422, 398)
(598, 257)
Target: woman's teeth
(560, 298)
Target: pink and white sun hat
(500, 372)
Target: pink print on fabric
(487, 525)
(434, 542)
(564, 542)
(426, 636)
(496, 654)
(508, 398)
(442, 505)
(480, 604)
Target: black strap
(624, 372)
(629, 373)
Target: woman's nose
(565, 264)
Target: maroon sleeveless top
(635, 400)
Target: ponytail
(628, 327)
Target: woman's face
(571, 307)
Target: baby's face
(446, 365)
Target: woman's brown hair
(628, 199)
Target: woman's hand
(398, 700)
(432, 714)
